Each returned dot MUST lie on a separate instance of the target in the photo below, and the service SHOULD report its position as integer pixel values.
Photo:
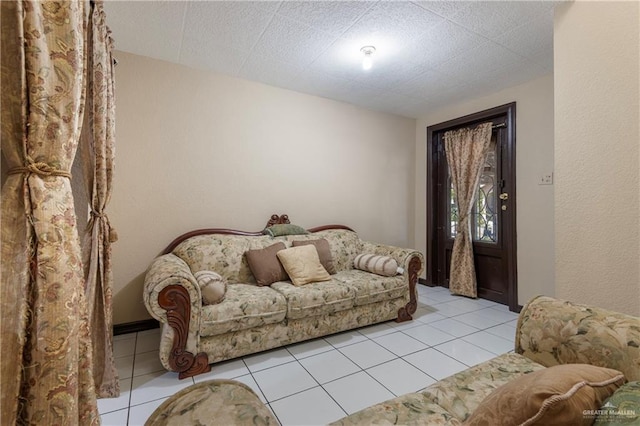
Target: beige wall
(597, 154)
(197, 150)
(534, 157)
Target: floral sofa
(550, 332)
(254, 318)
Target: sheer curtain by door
(466, 150)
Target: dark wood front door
(493, 215)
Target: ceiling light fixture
(367, 61)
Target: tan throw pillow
(212, 287)
(557, 395)
(303, 265)
(381, 265)
(324, 252)
(265, 266)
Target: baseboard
(135, 326)
(424, 282)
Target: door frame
(509, 162)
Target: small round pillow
(212, 286)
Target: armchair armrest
(172, 296)
(412, 261)
(553, 332)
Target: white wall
(534, 157)
(199, 150)
(597, 154)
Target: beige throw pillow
(212, 287)
(376, 264)
(557, 395)
(324, 252)
(303, 265)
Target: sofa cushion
(219, 253)
(372, 288)
(303, 265)
(324, 252)
(410, 409)
(264, 264)
(245, 306)
(316, 298)
(558, 395)
(345, 246)
(376, 264)
(462, 393)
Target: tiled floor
(322, 380)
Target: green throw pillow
(284, 229)
(621, 408)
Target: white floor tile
(107, 405)
(311, 407)
(476, 320)
(367, 354)
(400, 344)
(329, 366)
(268, 359)
(347, 338)
(377, 330)
(404, 325)
(124, 336)
(124, 365)
(428, 335)
(490, 342)
(224, 370)
(453, 327)
(309, 348)
(435, 364)
(124, 347)
(498, 315)
(465, 352)
(249, 381)
(457, 307)
(427, 315)
(357, 391)
(139, 414)
(148, 362)
(150, 387)
(148, 340)
(115, 418)
(400, 377)
(505, 331)
(283, 380)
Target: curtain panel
(466, 150)
(46, 352)
(98, 150)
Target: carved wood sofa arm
(172, 296)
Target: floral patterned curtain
(97, 147)
(466, 151)
(46, 353)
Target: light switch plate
(546, 179)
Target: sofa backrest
(552, 332)
(224, 253)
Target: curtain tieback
(113, 235)
(40, 169)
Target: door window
(484, 216)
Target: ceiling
(428, 53)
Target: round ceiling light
(367, 61)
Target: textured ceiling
(428, 53)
